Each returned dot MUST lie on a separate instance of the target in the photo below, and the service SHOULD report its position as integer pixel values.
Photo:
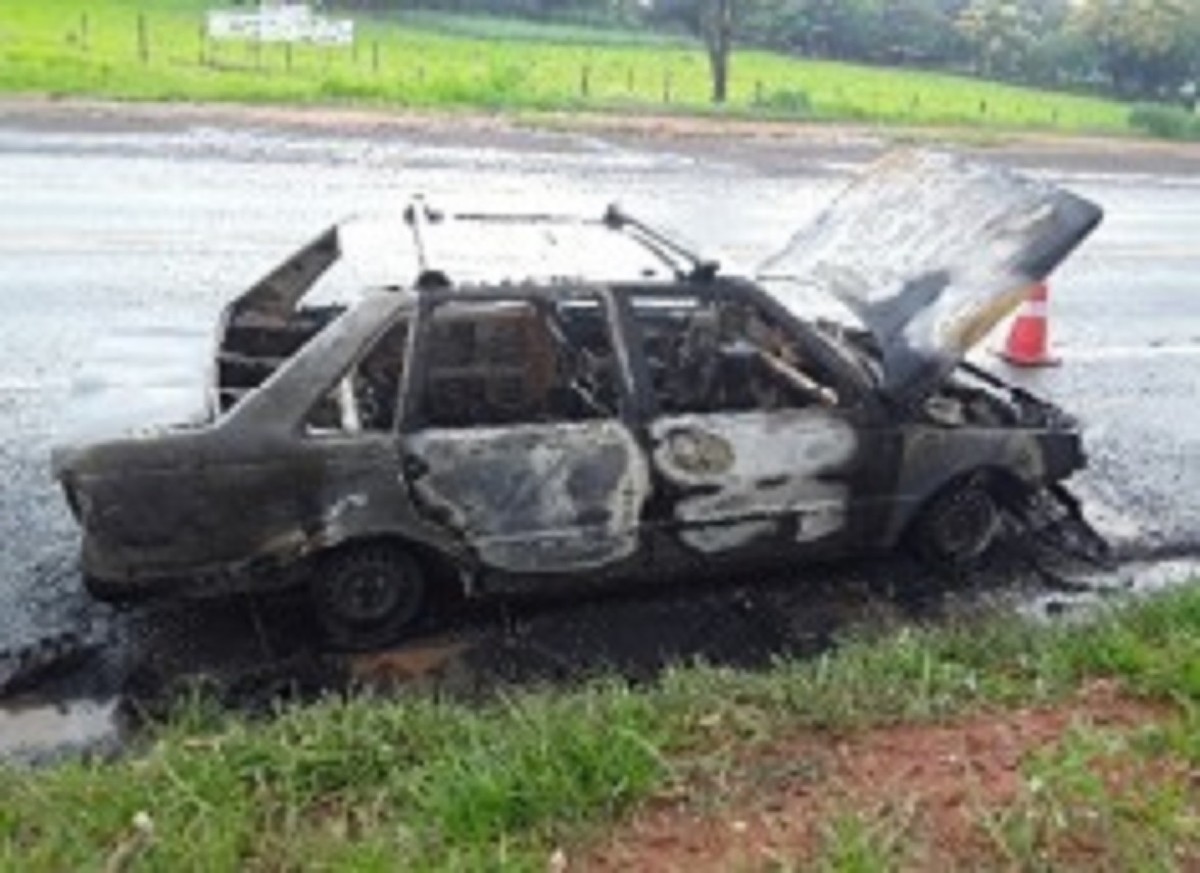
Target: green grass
(1141, 823)
(438, 60)
(491, 27)
(421, 783)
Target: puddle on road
(1134, 578)
(1149, 576)
(35, 731)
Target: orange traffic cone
(1028, 341)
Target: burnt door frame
(546, 463)
(856, 413)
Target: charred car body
(641, 414)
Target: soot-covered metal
(634, 413)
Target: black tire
(366, 596)
(957, 527)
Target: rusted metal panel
(930, 250)
(744, 475)
(536, 498)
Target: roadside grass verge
(426, 783)
(1131, 794)
(157, 51)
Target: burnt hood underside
(930, 251)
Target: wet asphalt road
(104, 225)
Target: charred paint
(954, 246)
(536, 498)
(744, 475)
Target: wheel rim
(371, 593)
(367, 596)
(965, 527)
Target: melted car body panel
(773, 468)
(535, 498)
(931, 250)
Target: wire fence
(388, 63)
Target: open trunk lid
(930, 251)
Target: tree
(714, 22)
(716, 27)
(1001, 33)
(888, 31)
(1147, 47)
(916, 32)
(1062, 56)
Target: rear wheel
(367, 595)
(957, 526)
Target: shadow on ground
(253, 652)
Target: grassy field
(157, 51)
(423, 783)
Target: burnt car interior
(509, 362)
(488, 363)
(491, 362)
(366, 398)
(715, 354)
(495, 363)
(254, 348)
(511, 357)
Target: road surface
(107, 221)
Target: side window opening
(709, 354)
(522, 361)
(366, 398)
(254, 348)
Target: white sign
(280, 24)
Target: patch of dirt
(929, 781)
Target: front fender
(932, 458)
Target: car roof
(466, 249)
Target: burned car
(551, 399)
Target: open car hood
(930, 251)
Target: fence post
(758, 92)
(629, 79)
(667, 87)
(83, 32)
(201, 35)
(143, 39)
(585, 73)
(287, 56)
(375, 57)
(258, 53)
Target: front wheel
(956, 527)
(367, 595)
